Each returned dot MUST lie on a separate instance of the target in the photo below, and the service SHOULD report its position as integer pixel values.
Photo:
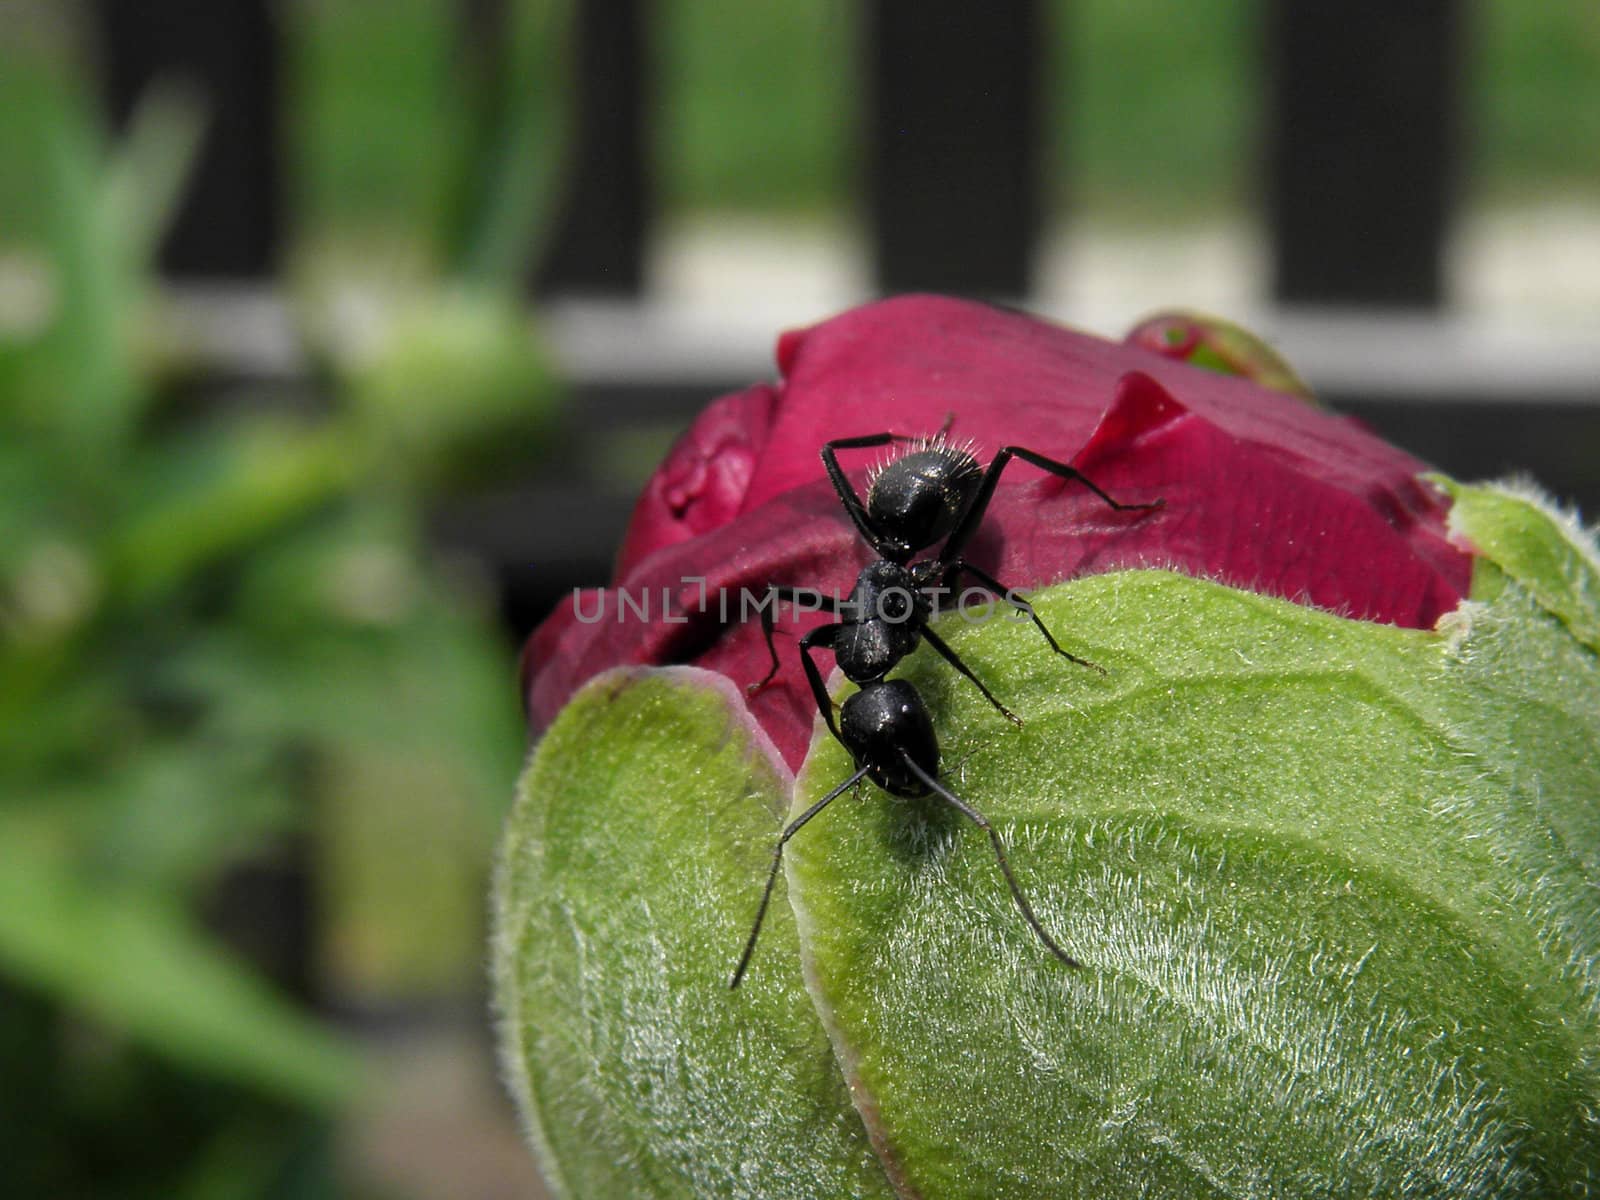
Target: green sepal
(1520, 533)
(1213, 344)
(1331, 881)
(630, 871)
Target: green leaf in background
(453, 387)
(509, 178)
(77, 386)
(132, 960)
(1333, 884)
(149, 171)
(222, 495)
(628, 878)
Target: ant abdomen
(884, 724)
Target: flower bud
(1321, 832)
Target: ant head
(916, 499)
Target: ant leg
(769, 617)
(822, 635)
(1010, 596)
(972, 515)
(777, 859)
(982, 823)
(949, 655)
(847, 494)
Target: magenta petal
(706, 475)
(1241, 514)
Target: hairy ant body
(936, 491)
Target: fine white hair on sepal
(1585, 539)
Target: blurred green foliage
(407, 127)
(225, 647)
(1151, 112)
(1536, 97)
(380, 115)
(1151, 107)
(757, 101)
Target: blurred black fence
(1361, 151)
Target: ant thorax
(917, 497)
(881, 622)
(884, 591)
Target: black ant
(936, 491)
(886, 728)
